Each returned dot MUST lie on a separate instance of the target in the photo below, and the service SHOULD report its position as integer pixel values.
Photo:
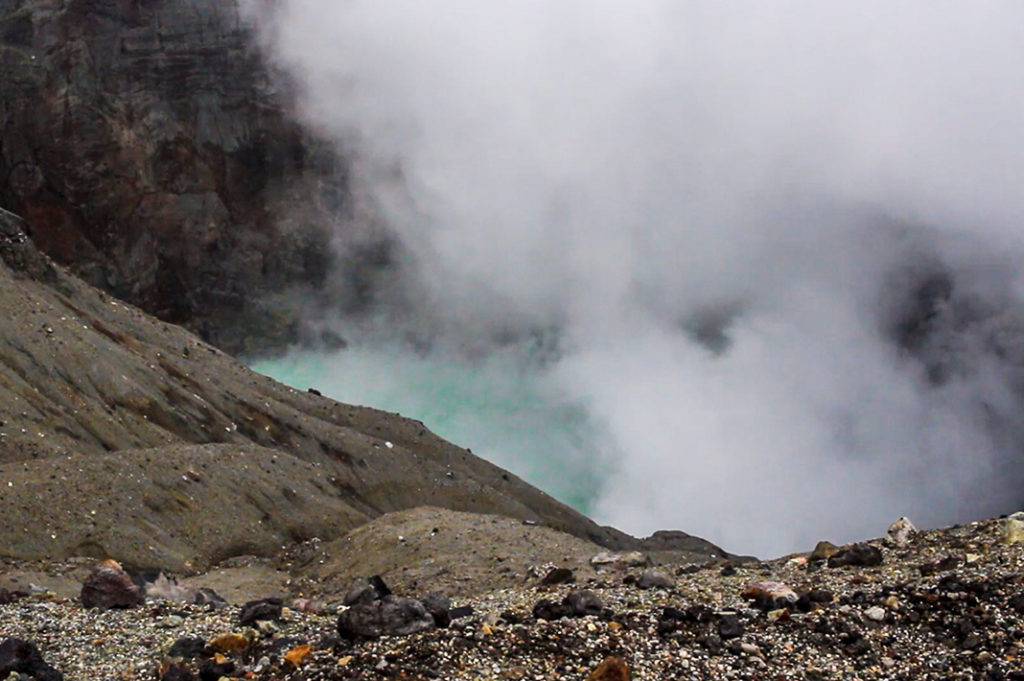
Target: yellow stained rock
(344, 661)
(230, 643)
(297, 655)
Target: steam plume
(780, 242)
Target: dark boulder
(578, 603)
(557, 576)
(22, 657)
(391, 616)
(858, 555)
(654, 579)
(187, 649)
(730, 626)
(262, 609)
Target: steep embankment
(122, 435)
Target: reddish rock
(770, 595)
(110, 587)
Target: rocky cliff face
(150, 151)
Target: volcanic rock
(858, 555)
(558, 575)
(110, 587)
(900, 532)
(262, 609)
(578, 603)
(823, 550)
(391, 616)
(654, 579)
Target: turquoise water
(504, 407)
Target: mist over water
(774, 248)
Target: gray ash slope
(123, 436)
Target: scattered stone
(108, 586)
(1013, 528)
(655, 579)
(261, 609)
(875, 614)
(18, 656)
(901, 532)
(624, 559)
(611, 669)
(575, 604)
(770, 595)
(390, 616)
(858, 555)
(823, 550)
(584, 602)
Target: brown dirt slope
(427, 549)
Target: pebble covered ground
(949, 604)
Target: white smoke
(733, 212)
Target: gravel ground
(949, 605)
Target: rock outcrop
(151, 151)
